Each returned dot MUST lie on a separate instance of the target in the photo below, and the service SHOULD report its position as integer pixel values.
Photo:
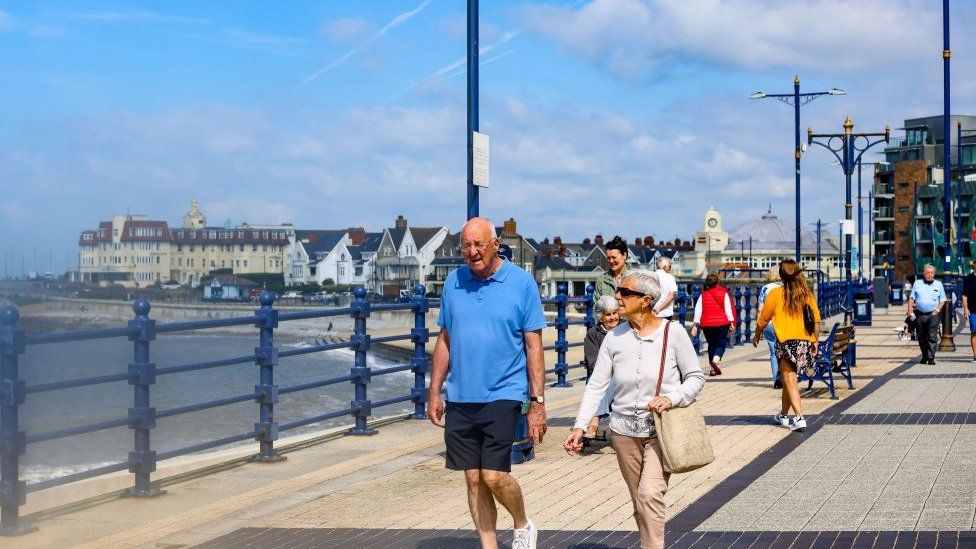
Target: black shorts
(479, 435)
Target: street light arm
(824, 145)
(857, 159)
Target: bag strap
(664, 354)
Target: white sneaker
(781, 420)
(525, 538)
(798, 424)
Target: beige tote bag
(681, 430)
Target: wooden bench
(836, 354)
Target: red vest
(713, 307)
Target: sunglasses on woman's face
(627, 292)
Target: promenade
(889, 464)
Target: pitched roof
(422, 235)
(229, 280)
(320, 241)
(541, 262)
(397, 234)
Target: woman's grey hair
(604, 305)
(645, 282)
(663, 262)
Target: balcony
(884, 213)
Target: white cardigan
(634, 362)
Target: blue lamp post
(848, 148)
(797, 100)
(472, 103)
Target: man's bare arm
(438, 373)
(536, 365)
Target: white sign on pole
(847, 225)
(479, 163)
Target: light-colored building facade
(198, 249)
(755, 244)
(135, 251)
(130, 250)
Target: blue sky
(609, 116)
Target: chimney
(357, 235)
(586, 241)
(508, 229)
(558, 241)
(649, 241)
(637, 241)
(401, 222)
(598, 239)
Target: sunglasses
(627, 292)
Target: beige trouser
(639, 459)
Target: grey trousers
(927, 332)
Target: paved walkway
(889, 464)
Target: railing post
(737, 303)
(681, 299)
(561, 346)
(13, 441)
(747, 309)
(588, 320)
(695, 294)
(419, 335)
(362, 407)
(266, 392)
(142, 416)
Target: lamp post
(947, 343)
(797, 100)
(848, 148)
(472, 103)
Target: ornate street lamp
(848, 148)
(797, 100)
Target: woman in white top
(631, 356)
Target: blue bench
(836, 354)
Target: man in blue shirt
(925, 303)
(490, 353)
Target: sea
(61, 409)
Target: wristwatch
(540, 399)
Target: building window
(245, 263)
(242, 247)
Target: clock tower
(711, 237)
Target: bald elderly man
(490, 353)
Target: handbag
(809, 324)
(681, 431)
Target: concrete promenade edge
(889, 464)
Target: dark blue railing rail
(142, 374)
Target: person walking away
(924, 307)
(669, 288)
(969, 304)
(769, 334)
(489, 351)
(715, 316)
(607, 313)
(631, 355)
(796, 321)
(617, 253)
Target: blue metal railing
(142, 374)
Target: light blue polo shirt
(486, 320)
(928, 296)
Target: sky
(626, 117)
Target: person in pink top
(715, 316)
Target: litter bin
(883, 293)
(898, 294)
(862, 306)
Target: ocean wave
(38, 473)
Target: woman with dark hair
(716, 318)
(617, 263)
(796, 320)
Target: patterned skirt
(802, 354)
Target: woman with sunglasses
(631, 356)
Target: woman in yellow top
(796, 345)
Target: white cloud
(345, 30)
(633, 38)
(397, 21)
(6, 21)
